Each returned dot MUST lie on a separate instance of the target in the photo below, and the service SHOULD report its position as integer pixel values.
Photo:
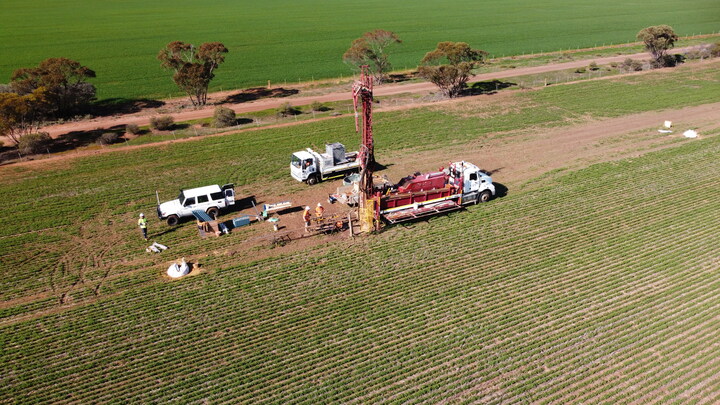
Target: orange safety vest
(306, 215)
(319, 211)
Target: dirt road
(143, 118)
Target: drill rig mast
(363, 95)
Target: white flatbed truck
(312, 167)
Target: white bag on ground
(178, 270)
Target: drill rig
(363, 95)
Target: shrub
(34, 143)
(715, 50)
(667, 61)
(107, 138)
(630, 65)
(162, 123)
(580, 70)
(287, 110)
(224, 117)
(593, 66)
(132, 129)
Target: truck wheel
(173, 220)
(213, 212)
(313, 179)
(484, 196)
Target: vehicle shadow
(500, 190)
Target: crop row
(545, 293)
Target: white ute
(312, 167)
(210, 199)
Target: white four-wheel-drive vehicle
(210, 199)
(312, 167)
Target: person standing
(306, 217)
(142, 223)
(319, 210)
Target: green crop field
(600, 288)
(286, 41)
(596, 286)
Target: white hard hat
(307, 207)
(319, 205)
(142, 215)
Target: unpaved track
(143, 118)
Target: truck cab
(477, 185)
(210, 199)
(303, 166)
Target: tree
(64, 80)
(194, 67)
(370, 50)
(658, 39)
(449, 66)
(21, 114)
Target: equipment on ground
(268, 208)
(208, 199)
(178, 270)
(312, 167)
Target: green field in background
(286, 41)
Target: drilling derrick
(363, 94)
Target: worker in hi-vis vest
(142, 223)
(307, 216)
(319, 210)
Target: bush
(667, 61)
(224, 117)
(34, 143)
(287, 110)
(132, 129)
(162, 123)
(630, 65)
(593, 66)
(107, 138)
(580, 70)
(715, 50)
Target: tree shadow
(400, 77)
(257, 93)
(76, 139)
(113, 106)
(243, 121)
(488, 87)
(8, 153)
